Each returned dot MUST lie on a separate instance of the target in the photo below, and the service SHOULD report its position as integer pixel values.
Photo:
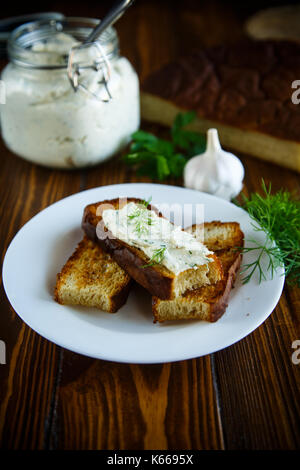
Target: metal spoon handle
(112, 16)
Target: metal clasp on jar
(101, 62)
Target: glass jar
(44, 119)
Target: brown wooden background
(244, 397)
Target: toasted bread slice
(157, 279)
(92, 278)
(208, 302)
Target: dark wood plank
(259, 387)
(257, 381)
(167, 406)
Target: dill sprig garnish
(146, 202)
(141, 218)
(157, 257)
(278, 216)
(142, 226)
(135, 214)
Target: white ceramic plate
(42, 246)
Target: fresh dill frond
(139, 227)
(157, 257)
(135, 214)
(142, 219)
(278, 216)
(274, 261)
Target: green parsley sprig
(160, 158)
(278, 216)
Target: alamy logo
(295, 95)
(182, 215)
(2, 352)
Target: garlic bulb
(215, 171)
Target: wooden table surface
(243, 397)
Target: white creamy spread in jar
(46, 122)
(59, 46)
(161, 241)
